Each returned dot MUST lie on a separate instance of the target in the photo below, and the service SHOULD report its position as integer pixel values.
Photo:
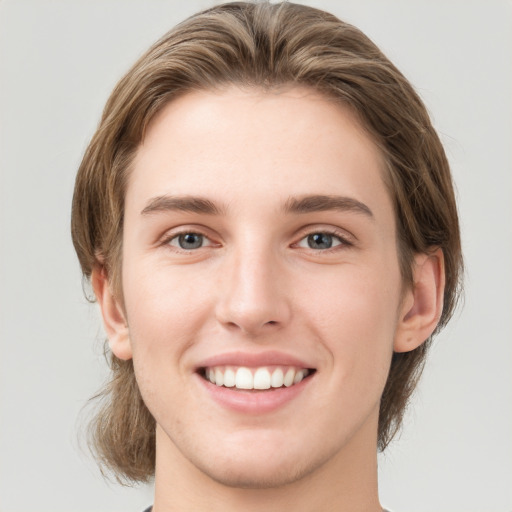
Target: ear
(423, 304)
(114, 318)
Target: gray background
(58, 62)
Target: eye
(189, 241)
(320, 240)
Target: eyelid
(206, 241)
(173, 233)
(337, 241)
(346, 238)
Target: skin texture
(257, 285)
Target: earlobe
(423, 304)
(113, 315)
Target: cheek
(354, 313)
(354, 297)
(164, 306)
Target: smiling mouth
(261, 378)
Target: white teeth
(298, 377)
(229, 378)
(256, 378)
(277, 380)
(262, 379)
(288, 378)
(244, 379)
(219, 377)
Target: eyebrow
(190, 204)
(321, 203)
(300, 205)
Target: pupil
(190, 241)
(320, 241)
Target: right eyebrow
(191, 204)
(322, 203)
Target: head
(268, 48)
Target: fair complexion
(259, 238)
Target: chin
(262, 462)
(258, 474)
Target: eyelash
(176, 236)
(341, 238)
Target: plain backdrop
(59, 60)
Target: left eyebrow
(191, 204)
(322, 203)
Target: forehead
(255, 143)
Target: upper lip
(254, 360)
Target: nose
(253, 295)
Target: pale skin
(288, 251)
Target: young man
(267, 218)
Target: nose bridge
(252, 294)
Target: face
(262, 294)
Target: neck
(348, 481)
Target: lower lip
(254, 402)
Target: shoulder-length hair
(262, 45)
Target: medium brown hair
(262, 45)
